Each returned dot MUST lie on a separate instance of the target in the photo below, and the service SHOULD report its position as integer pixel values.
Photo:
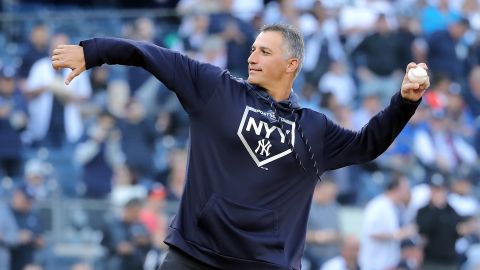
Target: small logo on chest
(263, 138)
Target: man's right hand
(69, 56)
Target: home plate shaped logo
(264, 140)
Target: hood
(288, 105)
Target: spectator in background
(378, 62)
(436, 98)
(8, 235)
(438, 148)
(411, 257)
(322, 45)
(407, 34)
(348, 258)
(338, 81)
(36, 175)
(154, 218)
(468, 245)
(437, 223)
(384, 226)
(30, 229)
(446, 53)
(126, 186)
(323, 234)
(193, 32)
(462, 119)
(138, 139)
(54, 107)
(13, 120)
(99, 154)
(461, 198)
(213, 51)
(37, 49)
(437, 17)
(127, 239)
(282, 11)
(237, 34)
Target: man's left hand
(413, 91)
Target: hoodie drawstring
(302, 136)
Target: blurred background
(91, 174)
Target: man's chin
(251, 80)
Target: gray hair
(293, 40)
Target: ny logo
(264, 141)
(264, 147)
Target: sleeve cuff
(90, 53)
(398, 99)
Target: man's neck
(279, 91)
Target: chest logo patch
(262, 136)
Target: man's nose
(252, 59)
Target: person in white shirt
(383, 229)
(348, 259)
(462, 199)
(50, 100)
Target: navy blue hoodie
(246, 199)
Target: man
(255, 155)
(127, 239)
(8, 235)
(53, 107)
(30, 229)
(440, 225)
(323, 234)
(447, 52)
(13, 119)
(348, 258)
(383, 227)
(99, 153)
(411, 256)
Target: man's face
(20, 202)
(7, 86)
(267, 62)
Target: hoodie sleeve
(344, 147)
(193, 82)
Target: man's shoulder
(311, 113)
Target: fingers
(410, 86)
(426, 84)
(409, 66)
(423, 65)
(74, 73)
(57, 59)
(413, 65)
(57, 64)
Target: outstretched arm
(193, 82)
(345, 147)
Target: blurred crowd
(118, 136)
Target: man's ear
(292, 65)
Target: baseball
(417, 75)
